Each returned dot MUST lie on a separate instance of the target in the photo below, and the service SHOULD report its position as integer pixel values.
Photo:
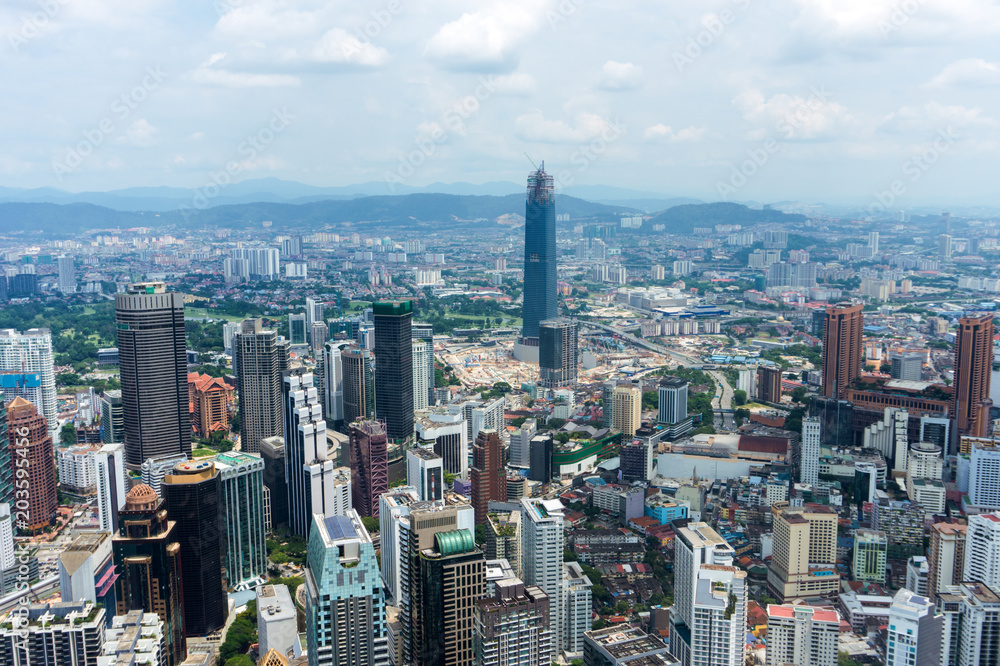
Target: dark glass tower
(394, 367)
(539, 253)
(259, 359)
(153, 361)
(193, 500)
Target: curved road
(723, 403)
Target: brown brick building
(973, 363)
(486, 476)
(29, 432)
(841, 348)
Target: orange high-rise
(973, 363)
(841, 348)
(29, 432)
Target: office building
(154, 469)
(673, 400)
(870, 553)
(272, 452)
(333, 383)
(479, 414)
(277, 621)
(512, 626)
(626, 408)
(769, 384)
(153, 363)
(425, 333)
(394, 368)
(425, 472)
(297, 331)
(540, 295)
(984, 473)
(542, 546)
(394, 509)
(87, 570)
(625, 645)
(148, 562)
(637, 460)
(542, 448)
(924, 475)
(447, 434)
(809, 457)
(359, 385)
(906, 367)
(345, 610)
(31, 352)
(259, 359)
(973, 366)
(241, 477)
(802, 635)
(708, 618)
(109, 464)
(971, 634)
(53, 634)
(112, 418)
(452, 578)
(31, 451)
(67, 275)
(982, 550)
(503, 538)
(7, 557)
(558, 353)
(520, 443)
(841, 349)
(423, 354)
(578, 606)
(487, 474)
(134, 638)
(804, 559)
(192, 495)
(369, 465)
(916, 631)
(306, 464)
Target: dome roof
(141, 496)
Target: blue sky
(824, 100)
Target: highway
(646, 344)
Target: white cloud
(337, 46)
(486, 40)
(621, 76)
(661, 132)
(208, 74)
(534, 126)
(809, 116)
(971, 72)
(140, 134)
(933, 117)
(518, 84)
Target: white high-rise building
(982, 550)
(310, 476)
(111, 485)
(802, 635)
(481, 415)
(873, 241)
(394, 506)
(809, 459)
(7, 559)
(67, 275)
(710, 600)
(315, 312)
(890, 436)
(542, 557)
(917, 572)
(984, 474)
(916, 631)
(577, 607)
(425, 472)
(673, 398)
(520, 441)
(333, 380)
(971, 624)
(747, 382)
(255, 263)
(31, 351)
(423, 352)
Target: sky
(812, 100)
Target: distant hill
(396, 210)
(684, 218)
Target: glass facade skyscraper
(540, 301)
(394, 367)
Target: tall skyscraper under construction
(540, 297)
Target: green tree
(799, 393)
(371, 524)
(68, 434)
(740, 397)
(240, 660)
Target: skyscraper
(345, 610)
(67, 275)
(542, 557)
(802, 635)
(804, 562)
(359, 385)
(673, 394)
(809, 458)
(394, 506)
(422, 355)
(769, 383)
(111, 482)
(112, 418)
(148, 560)
(31, 351)
(369, 465)
(626, 406)
(153, 361)
(540, 296)
(333, 383)
(973, 365)
(870, 553)
(297, 331)
(241, 479)
(512, 626)
(558, 352)
(192, 495)
(425, 472)
(6, 466)
(841, 348)
(307, 470)
(259, 359)
(916, 631)
(486, 475)
(394, 368)
(425, 332)
(982, 550)
(272, 451)
(31, 451)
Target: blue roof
(340, 527)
